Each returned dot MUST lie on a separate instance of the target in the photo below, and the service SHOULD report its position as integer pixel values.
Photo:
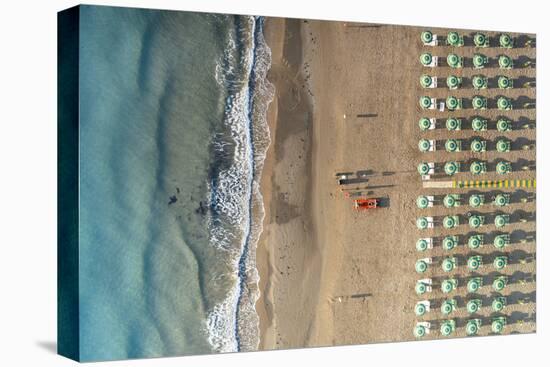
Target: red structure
(365, 204)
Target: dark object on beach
(173, 199)
(201, 209)
(178, 190)
(368, 115)
(350, 181)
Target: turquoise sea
(172, 142)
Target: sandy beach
(330, 275)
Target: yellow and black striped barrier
(489, 184)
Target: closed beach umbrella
(450, 200)
(453, 81)
(472, 327)
(504, 82)
(474, 262)
(419, 309)
(448, 306)
(453, 103)
(497, 325)
(475, 221)
(454, 61)
(422, 202)
(422, 223)
(450, 242)
(424, 123)
(479, 82)
(427, 37)
(421, 245)
(476, 200)
(425, 102)
(505, 62)
(500, 283)
(478, 167)
(426, 59)
(503, 145)
(481, 40)
(450, 221)
(447, 327)
(480, 61)
(498, 304)
(501, 241)
(452, 145)
(453, 124)
(448, 264)
(479, 103)
(475, 241)
(424, 145)
(504, 125)
(448, 285)
(451, 168)
(506, 41)
(423, 168)
(500, 262)
(501, 220)
(477, 145)
(503, 167)
(479, 124)
(421, 266)
(504, 103)
(473, 305)
(454, 39)
(474, 284)
(426, 81)
(502, 199)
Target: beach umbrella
(474, 262)
(448, 306)
(450, 242)
(498, 304)
(453, 103)
(422, 223)
(424, 123)
(451, 168)
(450, 221)
(476, 200)
(503, 145)
(427, 37)
(423, 168)
(472, 327)
(504, 103)
(424, 145)
(479, 103)
(503, 167)
(476, 221)
(504, 82)
(478, 168)
(477, 145)
(454, 61)
(426, 81)
(501, 241)
(505, 62)
(506, 41)
(421, 266)
(453, 81)
(422, 202)
(474, 284)
(481, 40)
(500, 262)
(500, 283)
(502, 199)
(454, 39)
(504, 125)
(453, 145)
(480, 61)
(497, 326)
(420, 288)
(422, 245)
(473, 305)
(419, 331)
(453, 124)
(451, 200)
(475, 241)
(425, 102)
(479, 82)
(420, 309)
(501, 220)
(447, 327)
(448, 285)
(479, 124)
(426, 59)
(448, 264)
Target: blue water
(172, 143)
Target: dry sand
(334, 276)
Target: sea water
(172, 142)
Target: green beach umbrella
(453, 103)
(477, 145)
(448, 264)
(475, 241)
(424, 145)
(478, 167)
(447, 327)
(476, 221)
(419, 309)
(474, 284)
(479, 82)
(506, 41)
(426, 59)
(504, 125)
(419, 331)
(454, 61)
(450, 242)
(426, 81)
(501, 220)
(481, 40)
(479, 61)
(427, 37)
(502, 199)
(503, 145)
(451, 168)
(501, 241)
(498, 304)
(500, 262)
(479, 103)
(423, 168)
(421, 245)
(453, 81)
(420, 288)
(450, 200)
(474, 262)
(422, 223)
(421, 266)
(454, 39)
(500, 283)
(503, 167)
(505, 62)
(497, 326)
(504, 82)
(453, 124)
(448, 285)
(473, 305)
(472, 327)
(479, 124)
(424, 123)
(425, 102)
(450, 221)
(504, 103)
(448, 306)
(452, 145)
(422, 202)
(476, 200)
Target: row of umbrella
(449, 306)
(479, 61)
(475, 221)
(453, 103)
(455, 200)
(477, 167)
(478, 82)
(474, 242)
(477, 145)
(453, 124)
(448, 327)
(473, 285)
(450, 263)
(455, 39)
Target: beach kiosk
(478, 168)
(428, 38)
(454, 39)
(421, 308)
(448, 306)
(453, 82)
(497, 326)
(453, 103)
(481, 40)
(427, 81)
(447, 327)
(474, 284)
(450, 221)
(505, 62)
(449, 285)
(479, 82)
(501, 220)
(478, 146)
(479, 124)
(451, 168)
(426, 145)
(473, 305)
(480, 61)
(479, 103)
(503, 167)
(474, 262)
(453, 145)
(449, 242)
(502, 240)
(424, 244)
(475, 241)
(423, 286)
(504, 125)
(424, 201)
(451, 200)
(427, 103)
(504, 103)
(503, 145)
(500, 283)
(476, 220)
(425, 222)
(449, 264)
(454, 61)
(506, 41)
(428, 60)
(498, 304)
(500, 262)
(472, 327)
(421, 329)
(476, 200)
(453, 124)
(502, 199)
(504, 82)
